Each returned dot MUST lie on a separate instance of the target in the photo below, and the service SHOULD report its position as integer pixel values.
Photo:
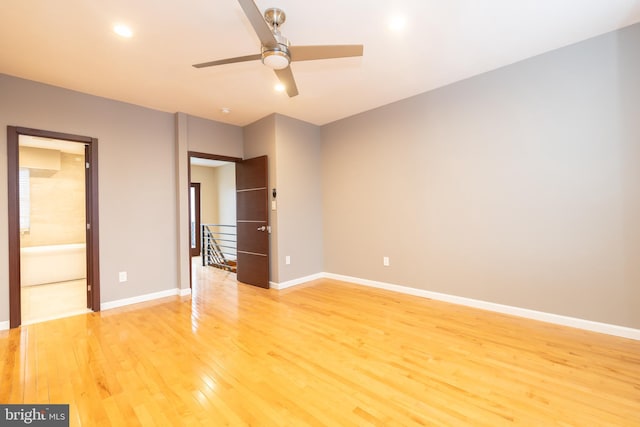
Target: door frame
(91, 206)
(196, 186)
(200, 155)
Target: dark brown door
(194, 218)
(252, 198)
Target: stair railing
(219, 246)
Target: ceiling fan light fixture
(275, 59)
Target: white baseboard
(589, 325)
(141, 298)
(295, 282)
(118, 303)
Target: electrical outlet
(122, 276)
(287, 260)
(385, 261)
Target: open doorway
(240, 242)
(52, 225)
(212, 203)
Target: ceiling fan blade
(285, 76)
(258, 23)
(229, 61)
(310, 53)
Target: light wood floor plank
(321, 354)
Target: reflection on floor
(201, 276)
(53, 300)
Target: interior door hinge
(89, 288)
(88, 226)
(86, 165)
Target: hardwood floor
(325, 353)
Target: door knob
(263, 228)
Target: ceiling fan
(276, 52)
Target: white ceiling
(70, 43)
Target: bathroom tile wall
(57, 204)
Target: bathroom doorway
(53, 225)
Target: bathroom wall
(57, 201)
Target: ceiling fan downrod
(275, 17)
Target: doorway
(53, 225)
(238, 240)
(214, 177)
(212, 211)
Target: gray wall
(294, 150)
(142, 179)
(260, 140)
(203, 136)
(520, 186)
(207, 136)
(136, 178)
(299, 201)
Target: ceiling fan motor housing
(278, 56)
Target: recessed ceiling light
(397, 23)
(279, 87)
(225, 110)
(122, 30)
